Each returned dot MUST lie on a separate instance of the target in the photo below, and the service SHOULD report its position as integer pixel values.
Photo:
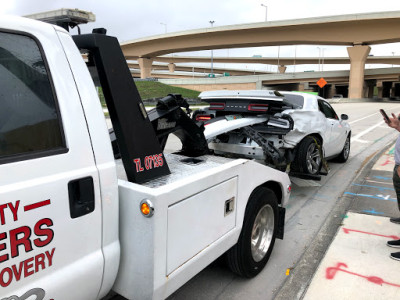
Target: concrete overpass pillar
(282, 69)
(393, 90)
(369, 93)
(171, 67)
(331, 91)
(145, 67)
(379, 86)
(358, 55)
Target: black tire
(242, 258)
(308, 158)
(344, 155)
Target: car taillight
(217, 106)
(203, 117)
(257, 107)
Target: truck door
(50, 212)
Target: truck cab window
(29, 119)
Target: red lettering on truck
(4, 257)
(46, 232)
(153, 161)
(26, 268)
(150, 162)
(138, 164)
(21, 238)
(13, 208)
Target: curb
(296, 285)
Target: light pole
(165, 25)
(212, 72)
(266, 11)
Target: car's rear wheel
(308, 159)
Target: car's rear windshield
(296, 100)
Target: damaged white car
(287, 130)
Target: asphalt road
(310, 205)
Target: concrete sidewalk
(357, 263)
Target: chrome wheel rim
(346, 148)
(313, 159)
(262, 232)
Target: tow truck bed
(181, 167)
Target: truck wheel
(308, 159)
(253, 249)
(344, 155)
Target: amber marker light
(146, 208)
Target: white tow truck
(75, 222)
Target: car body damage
(287, 130)
(306, 122)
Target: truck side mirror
(344, 117)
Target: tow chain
(323, 160)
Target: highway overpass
(357, 31)
(282, 62)
(384, 82)
(279, 61)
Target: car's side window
(327, 110)
(29, 119)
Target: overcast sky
(130, 19)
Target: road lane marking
(379, 197)
(374, 212)
(382, 177)
(379, 182)
(367, 130)
(361, 141)
(374, 186)
(352, 122)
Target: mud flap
(281, 223)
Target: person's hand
(394, 122)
